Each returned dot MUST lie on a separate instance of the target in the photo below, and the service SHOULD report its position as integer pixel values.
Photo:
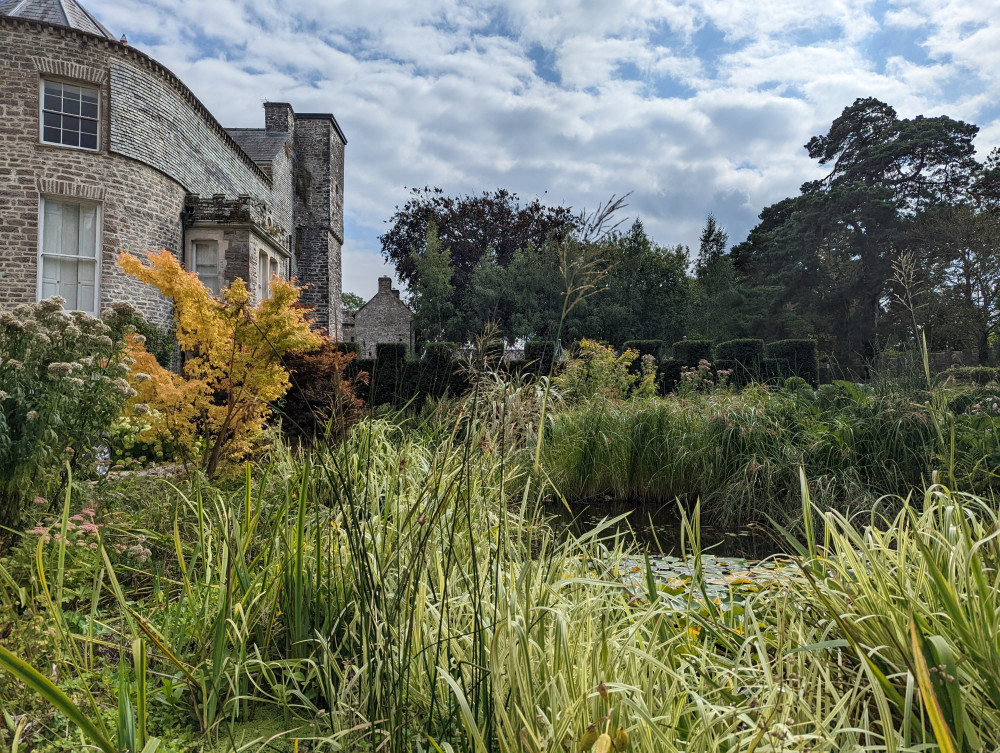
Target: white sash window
(70, 262)
(205, 261)
(70, 115)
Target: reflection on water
(657, 529)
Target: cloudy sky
(695, 106)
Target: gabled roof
(59, 12)
(261, 145)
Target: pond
(658, 531)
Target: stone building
(102, 149)
(384, 319)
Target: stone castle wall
(140, 206)
(161, 152)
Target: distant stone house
(384, 319)
(102, 149)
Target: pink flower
(49, 519)
(38, 531)
(92, 545)
(89, 528)
(81, 542)
(41, 501)
(88, 511)
(77, 518)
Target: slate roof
(261, 145)
(59, 12)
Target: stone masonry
(164, 174)
(384, 319)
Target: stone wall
(319, 217)
(153, 123)
(140, 206)
(158, 143)
(384, 319)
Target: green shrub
(802, 357)
(123, 318)
(795, 383)
(62, 386)
(652, 348)
(390, 354)
(977, 375)
(321, 401)
(669, 374)
(775, 370)
(540, 354)
(349, 348)
(743, 357)
(691, 352)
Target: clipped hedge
(802, 357)
(652, 348)
(349, 348)
(540, 354)
(744, 358)
(690, 352)
(390, 353)
(977, 375)
(668, 374)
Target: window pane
(86, 285)
(52, 240)
(79, 108)
(67, 283)
(88, 232)
(50, 277)
(206, 263)
(70, 242)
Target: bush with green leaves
(63, 383)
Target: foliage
(385, 594)
(828, 253)
(711, 247)
(432, 289)
(743, 357)
(541, 354)
(62, 385)
(469, 227)
(123, 318)
(232, 370)
(801, 356)
(321, 402)
(352, 301)
(594, 370)
(738, 452)
(693, 352)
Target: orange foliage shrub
(232, 367)
(321, 403)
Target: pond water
(657, 530)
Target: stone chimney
(385, 285)
(279, 117)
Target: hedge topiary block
(652, 348)
(802, 357)
(690, 352)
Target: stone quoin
(102, 149)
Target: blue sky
(694, 106)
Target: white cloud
(695, 105)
